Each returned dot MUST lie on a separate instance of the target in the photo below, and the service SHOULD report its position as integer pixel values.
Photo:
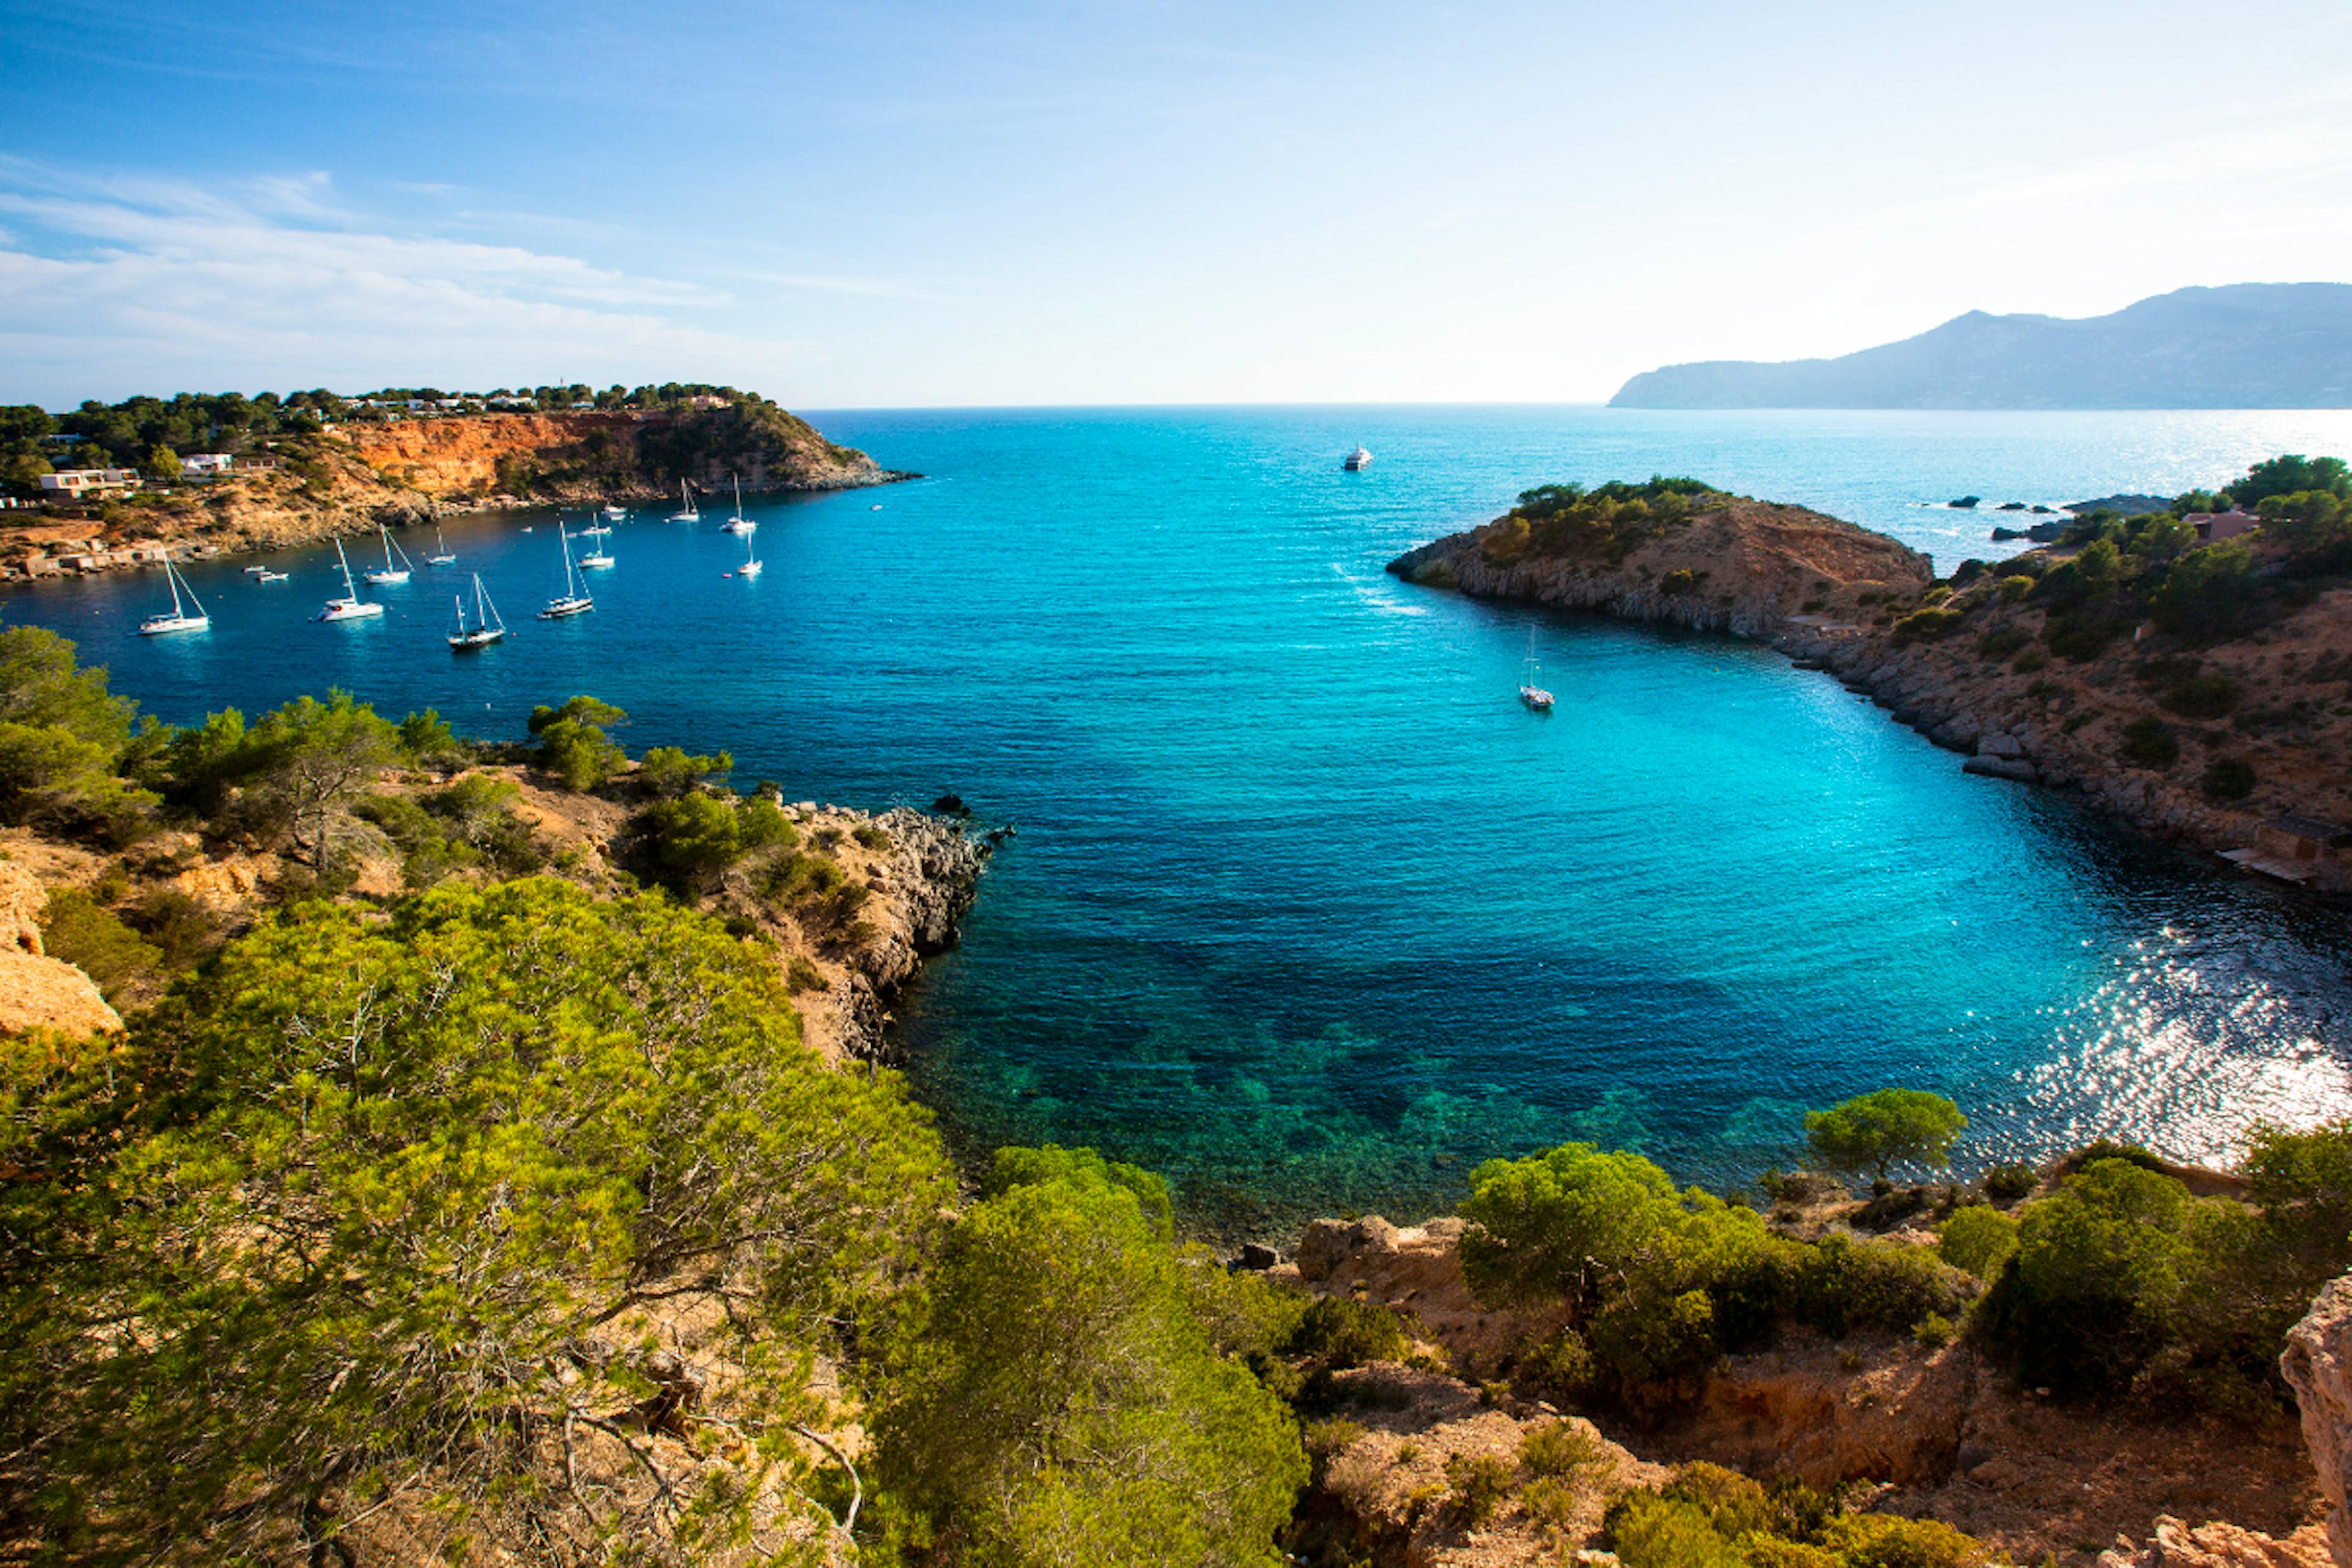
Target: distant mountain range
(2249, 345)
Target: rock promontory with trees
(313, 465)
(2195, 684)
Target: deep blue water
(1304, 908)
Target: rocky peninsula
(2202, 694)
(352, 477)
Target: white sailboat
(488, 626)
(350, 606)
(575, 599)
(602, 555)
(390, 573)
(739, 523)
(1531, 691)
(750, 567)
(614, 511)
(687, 511)
(442, 555)
(187, 618)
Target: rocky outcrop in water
(1746, 568)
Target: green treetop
(1885, 1128)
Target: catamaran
(603, 554)
(350, 606)
(442, 555)
(1530, 692)
(575, 597)
(487, 628)
(188, 618)
(390, 574)
(750, 567)
(739, 523)
(687, 511)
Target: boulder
(2000, 743)
(2015, 769)
(2317, 1363)
(2175, 1544)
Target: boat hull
(469, 641)
(163, 626)
(563, 609)
(350, 611)
(384, 579)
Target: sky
(893, 204)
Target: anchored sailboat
(441, 555)
(603, 554)
(391, 574)
(750, 567)
(575, 599)
(188, 618)
(739, 523)
(350, 606)
(487, 628)
(1531, 691)
(685, 512)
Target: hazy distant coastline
(2250, 345)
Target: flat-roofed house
(206, 465)
(75, 483)
(2215, 526)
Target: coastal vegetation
(1607, 522)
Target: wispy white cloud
(121, 284)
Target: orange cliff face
(457, 457)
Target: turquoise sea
(1304, 910)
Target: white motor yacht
(1359, 458)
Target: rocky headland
(355, 477)
(2228, 738)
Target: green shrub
(1926, 625)
(1560, 1448)
(2227, 778)
(1561, 1367)
(1551, 1502)
(668, 771)
(1480, 1483)
(573, 744)
(2147, 744)
(2006, 1183)
(2002, 641)
(1980, 1239)
(871, 837)
(2207, 696)
(181, 928)
(2030, 660)
(1339, 1332)
(801, 976)
(76, 929)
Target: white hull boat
(187, 618)
(602, 556)
(488, 626)
(739, 523)
(1356, 459)
(442, 555)
(687, 511)
(575, 599)
(1532, 690)
(350, 606)
(391, 572)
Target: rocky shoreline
(1759, 573)
(400, 476)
